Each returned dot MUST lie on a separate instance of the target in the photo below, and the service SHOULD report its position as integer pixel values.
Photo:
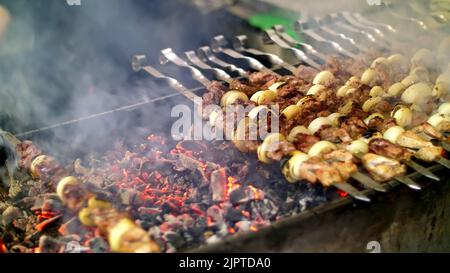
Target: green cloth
(266, 21)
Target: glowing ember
(342, 193)
(3, 248)
(232, 184)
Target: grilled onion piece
(324, 78)
(233, 96)
(417, 93)
(317, 123)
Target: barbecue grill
(352, 218)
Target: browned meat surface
(382, 168)
(356, 111)
(388, 123)
(262, 78)
(306, 73)
(429, 130)
(280, 149)
(303, 141)
(386, 148)
(315, 169)
(339, 155)
(244, 87)
(429, 154)
(376, 124)
(343, 69)
(345, 169)
(215, 92)
(354, 126)
(382, 107)
(333, 134)
(26, 151)
(419, 118)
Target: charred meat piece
(303, 141)
(339, 156)
(429, 154)
(386, 148)
(279, 149)
(244, 87)
(354, 126)
(376, 124)
(382, 107)
(27, 152)
(345, 169)
(262, 78)
(429, 130)
(306, 73)
(333, 134)
(215, 92)
(382, 168)
(315, 169)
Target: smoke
(60, 62)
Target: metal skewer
(167, 55)
(421, 169)
(271, 37)
(205, 53)
(240, 44)
(368, 181)
(219, 43)
(352, 191)
(279, 29)
(301, 28)
(218, 73)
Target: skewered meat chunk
(429, 154)
(27, 152)
(429, 130)
(386, 148)
(262, 78)
(215, 92)
(304, 141)
(382, 168)
(345, 169)
(339, 156)
(306, 73)
(333, 134)
(315, 169)
(354, 126)
(412, 140)
(244, 87)
(279, 149)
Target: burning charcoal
(218, 184)
(16, 189)
(21, 224)
(98, 245)
(19, 249)
(52, 206)
(48, 223)
(185, 162)
(244, 226)
(127, 196)
(233, 215)
(174, 239)
(215, 214)
(265, 208)
(51, 245)
(238, 195)
(10, 214)
(70, 227)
